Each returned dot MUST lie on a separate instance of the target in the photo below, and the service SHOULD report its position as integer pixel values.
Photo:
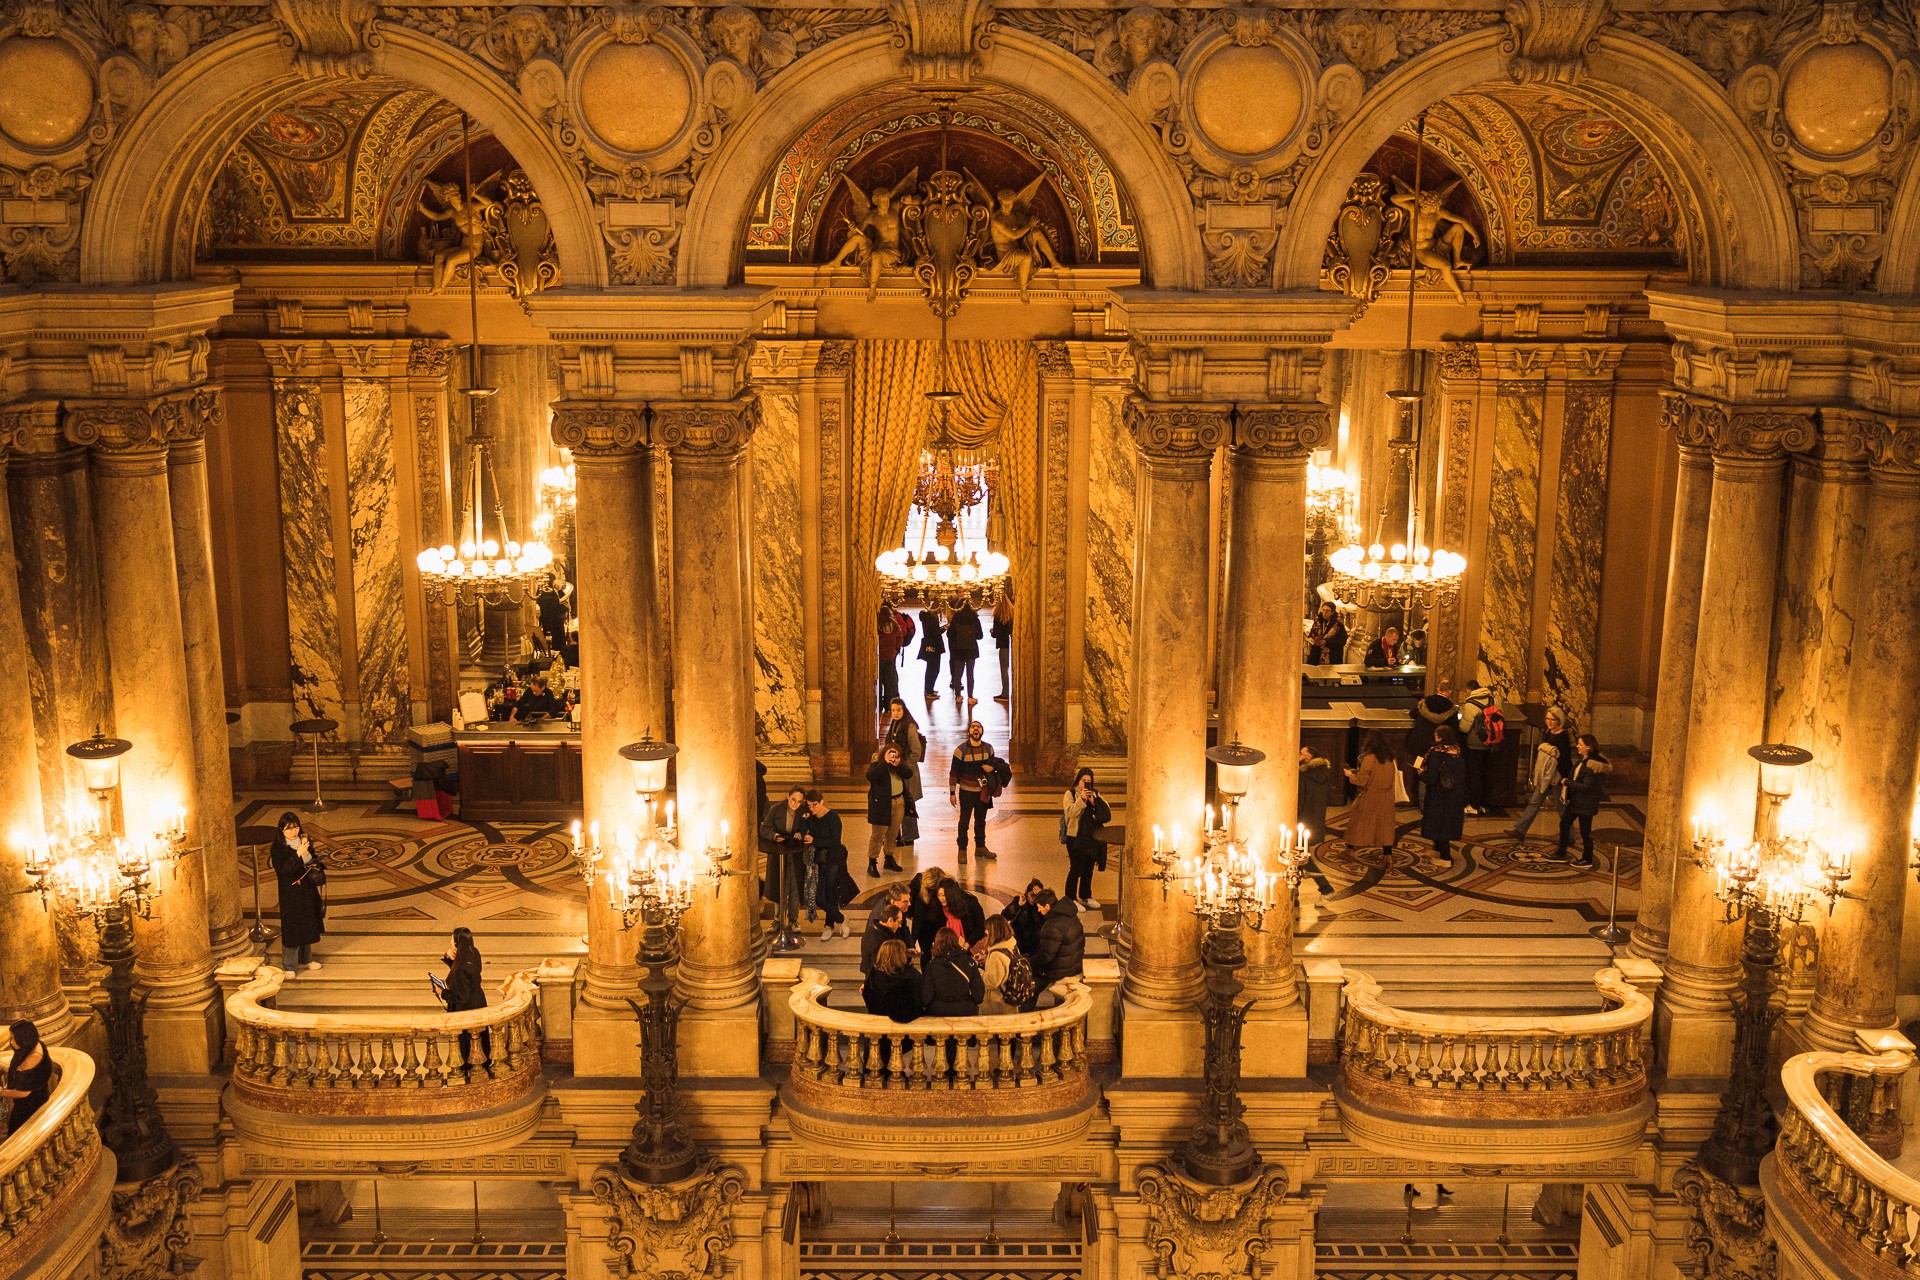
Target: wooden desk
(520, 773)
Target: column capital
(1281, 432)
(1890, 445)
(1178, 433)
(429, 358)
(706, 430)
(133, 428)
(1735, 432)
(1460, 361)
(600, 428)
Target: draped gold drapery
(890, 419)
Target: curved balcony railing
(1022, 1062)
(1451, 1063)
(1858, 1204)
(49, 1169)
(361, 1064)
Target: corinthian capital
(600, 428)
(708, 429)
(1178, 432)
(1282, 431)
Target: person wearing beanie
(1427, 715)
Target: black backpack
(1019, 987)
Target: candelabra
(651, 881)
(108, 879)
(1766, 884)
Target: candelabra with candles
(1766, 883)
(649, 879)
(108, 879)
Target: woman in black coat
(303, 915)
(1025, 918)
(892, 990)
(1443, 801)
(463, 990)
(1327, 642)
(952, 986)
(1585, 793)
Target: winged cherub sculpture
(1437, 236)
(873, 233)
(468, 214)
(1020, 243)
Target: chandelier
(1781, 870)
(645, 872)
(1329, 502)
(556, 488)
(481, 568)
(1227, 877)
(1406, 574)
(87, 866)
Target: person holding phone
(1084, 811)
(462, 991)
(303, 913)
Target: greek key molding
(600, 428)
(706, 429)
(1282, 431)
(1178, 432)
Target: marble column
(713, 724)
(146, 648)
(1726, 716)
(1860, 946)
(206, 676)
(29, 952)
(1166, 767)
(1260, 690)
(1667, 829)
(622, 690)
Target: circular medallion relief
(46, 92)
(635, 97)
(1247, 101)
(1837, 97)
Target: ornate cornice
(600, 428)
(1178, 432)
(706, 429)
(1282, 431)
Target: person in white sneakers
(1083, 812)
(303, 913)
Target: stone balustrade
(368, 1064)
(1025, 1063)
(55, 1177)
(1858, 1207)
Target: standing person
(1560, 735)
(963, 650)
(887, 922)
(1544, 781)
(966, 779)
(1443, 807)
(780, 832)
(1062, 944)
(960, 911)
(303, 915)
(1327, 642)
(927, 916)
(1002, 632)
(1427, 715)
(1083, 812)
(1416, 651)
(932, 645)
(997, 954)
(951, 986)
(1370, 823)
(29, 1075)
(830, 852)
(1024, 917)
(888, 806)
(1316, 788)
(903, 731)
(1485, 728)
(891, 640)
(1585, 793)
(892, 988)
(1385, 652)
(463, 991)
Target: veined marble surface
(1573, 622)
(380, 621)
(1107, 648)
(306, 533)
(1506, 586)
(779, 638)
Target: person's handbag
(1400, 787)
(909, 827)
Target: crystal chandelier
(645, 872)
(486, 569)
(556, 488)
(1782, 870)
(1407, 574)
(86, 865)
(1329, 502)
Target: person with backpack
(1007, 974)
(1444, 800)
(1485, 728)
(1083, 813)
(932, 645)
(1584, 793)
(950, 985)
(963, 650)
(895, 630)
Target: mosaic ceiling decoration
(797, 215)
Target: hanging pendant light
(1406, 574)
(481, 568)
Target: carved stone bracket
(600, 429)
(680, 1231)
(715, 430)
(1728, 1235)
(1282, 431)
(1547, 40)
(1199, 1232)
(1178, 432)
(149, 1230)
(942, 39)
(329, 37)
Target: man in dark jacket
(886, 921)
(1428, 714)
(889, 801)
(830, 853)
(931, 646)
(963, 649)
(1062, 942)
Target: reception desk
(519, 772)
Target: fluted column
(1860, 946)
(622, 690)
(206, 675)
(1667, 830)
(1726, 715)
(713, 723)
(147, 653)
(1260, 685)
(1166, 769)
(29, 953)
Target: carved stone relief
(1202, 1232)
(1728, 1235)
(681, 1231)
(149, 1231)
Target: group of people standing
(1327, 642)
(953, 634)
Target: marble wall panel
(1506, 608)
(379, 615)
(779, 617)
(1573, 621)
(306, 531)
(1107, 648)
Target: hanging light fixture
(481, 568)
(1406, 574)
(1329, 502)
(556, 486)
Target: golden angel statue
(1020, 243)
(467, 211)
(873, 233)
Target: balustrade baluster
(435, 1073)
(1556, 1069)
(870, 1078)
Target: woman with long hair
(29, 1079)
(303, 915)
(1443, 802)
(1370, 823)
(463, 990)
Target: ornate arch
(1741, 220)
(141, 216)
(1900, 272)
(722, 203)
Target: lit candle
(1209, 819)
(669, 815)
(1156, 839)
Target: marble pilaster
(779, 636)
(1107, 639)
(306, 531)
(1573, 619)
(1726, 715)
(147, 651)
(1860, 947)
(834, 365)
(1507, 582)
(428, 362)
(1460, 402)
(1166, 786)
(713, 723)
(622, 689)
(382, 674)
(1667, 829)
